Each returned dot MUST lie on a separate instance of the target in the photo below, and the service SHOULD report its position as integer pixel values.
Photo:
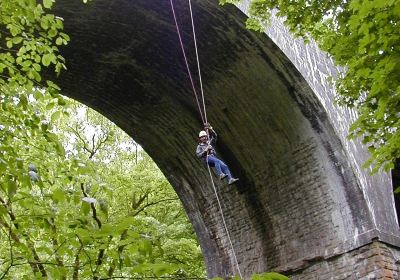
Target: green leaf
(59, 41)
(36, 76)
(23, 100)
(46, 59)
(124, 224)
(106, 230)
(37, 67)
(84, 234)
(85, 208)
(20, 163)
(65, 36)
(12, 188)
(3, 165)
(26, 63)
(52, 33)
(53, 85)
(61, 101)
(44, 23)
(48, 3)
(3, 210)
(58, 196)
(56, 116)
(17, 40)
(50, 106)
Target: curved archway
(298, 202)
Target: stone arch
(300, 200)
(396, 183)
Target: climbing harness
(203, 116)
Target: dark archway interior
(298, 199)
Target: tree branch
(77, 264)
(152, 204)
(29, 243)
(94, 211)
(136, 204)
(18, 241)
(11, 257)
(100, 143)
(8, 50)
(100, 255)
(77, 134)
(93, 146)
(24, 75)
(111, 270)
(87, 255)
(56, 246)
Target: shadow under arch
(298, 199)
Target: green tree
(364, 37)
(76, 202)
(136, 181)
(29, 40)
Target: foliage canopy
(77, 201)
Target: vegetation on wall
(364, 38)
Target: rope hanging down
(204, 119)
(186, 62)
(198, 61)
(223, 220)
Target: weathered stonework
(372, 261)
(317, 67)
(303, 205)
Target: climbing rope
(204, 119)
(198, 61)
(186, 62)
(223, 220)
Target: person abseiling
(206, 151)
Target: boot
(232, 181)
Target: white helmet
(202, 133)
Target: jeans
(220, 166)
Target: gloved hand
(207, 126)
(209, 147)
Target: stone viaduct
(304, 206)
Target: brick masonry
(303, 205)
(317, 68)
(376, 261)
